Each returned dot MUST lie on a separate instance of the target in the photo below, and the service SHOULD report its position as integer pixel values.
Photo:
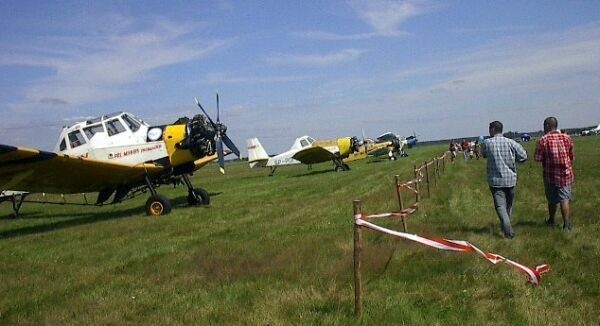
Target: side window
(63, 145)
(114, 127)
(131, 123)
(303, 143)
(76, 138)
(92, 130)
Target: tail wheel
(158, 205)
(198, 196)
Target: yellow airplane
(305, 150)
(121, 156)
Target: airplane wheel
(158, 205)
(346, 167)
(199, 197)
(339, 168)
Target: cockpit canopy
(110, 125)
(303, 142)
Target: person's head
(495, 128)
(550, 124)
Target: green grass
(278, 250)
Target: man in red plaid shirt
(555, 151)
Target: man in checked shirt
(502, 154)
(555, 151)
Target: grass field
(278, 250)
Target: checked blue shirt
(502, 155)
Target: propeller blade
(218, 120)
(206, 114)
(231, 145)
(220, 155)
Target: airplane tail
(257, 156)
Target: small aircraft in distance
(305, 150)
(121, 156)
(389, 144)
(593, 131)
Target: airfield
(278, 250)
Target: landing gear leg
(17, 202)
(156, 205)
(273, 168)
(196, 196)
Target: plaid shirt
(555, 151)
(502, 154)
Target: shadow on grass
(314, 173)
(78, 218)
(84, 219)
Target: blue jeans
(503, 201)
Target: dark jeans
(503, 200)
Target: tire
(204, 197)
(346, 167)
(158, 205)
(339, 168)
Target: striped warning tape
(534, 275)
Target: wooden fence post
(444, 163)
(427, 180)
(417, 184)
(433, 165)
(399, 193)
(357, 260)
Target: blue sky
(287, 68)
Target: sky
(283, 69)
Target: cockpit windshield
(92, 130)
(131, 122)
(76, 138)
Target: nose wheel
(340, 166)
(197, 196)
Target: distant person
(452, 149)
(555, 151)
(502, 155)
(477, 149)
(464, 145)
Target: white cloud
(383, 17)
(224, 78)
(333, 58)
(95, 66)
(326, 36)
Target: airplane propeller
(221, 136)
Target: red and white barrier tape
(403, 213)
(534, 275)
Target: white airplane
(391, 145)
(593, 131)
(305, 150)
(121, 155)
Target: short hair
(551, 122)
(496, 126)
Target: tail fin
(257, 156)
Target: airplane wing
(388, 136)
(33, 170)
(312, 155)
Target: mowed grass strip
(278, 250)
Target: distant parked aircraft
(305, 150)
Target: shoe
(567, 227)
(550, 222)
(509, 236)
